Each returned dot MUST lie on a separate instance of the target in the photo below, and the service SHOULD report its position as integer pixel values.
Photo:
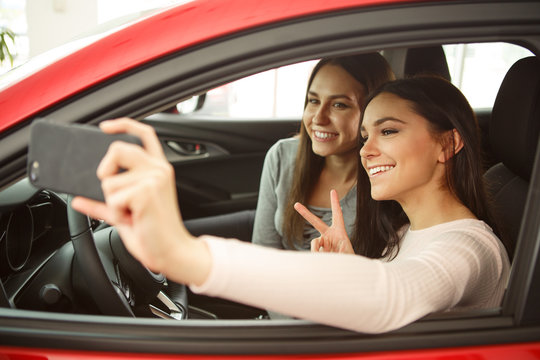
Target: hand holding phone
(65, 157)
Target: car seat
(513, 136)
(426, 60)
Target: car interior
(37, 268)
(513, 133)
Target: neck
(338, 173)
(343, 168)
(434, 208)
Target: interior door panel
(217, 163)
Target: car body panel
(150, 39)
(515, 351)
(118, 86)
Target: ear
(452, 144)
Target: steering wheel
(117, 282)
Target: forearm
(189, 263)
(342, 290)
(300, 284)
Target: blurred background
(31, 27)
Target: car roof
(149, 39)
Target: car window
(476, 69)
(273, 94)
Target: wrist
(189, 262)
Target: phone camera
(34, 171)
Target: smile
(379, 169)
(324, 135)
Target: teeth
(324, 135)
(380, 169)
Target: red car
(185, 70)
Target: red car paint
(500, 352)
(150, 39)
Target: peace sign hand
(333, 238)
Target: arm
(355, 292)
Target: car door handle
(187, 148)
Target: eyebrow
(337, 96)
(381, 121)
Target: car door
(217, 161)
(224, 133)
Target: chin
(380, 196)
(321, 152)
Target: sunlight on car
(272, 94)
(478, 69)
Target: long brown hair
(445, 108)
(371, 70)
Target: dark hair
(445, 108)
(371, 70)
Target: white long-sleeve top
(459, 264)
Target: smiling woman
(322, 156)
(401, 155)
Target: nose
(369, 149)
(321, 116)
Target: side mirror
(191, 105)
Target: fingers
(160, 173)
(322, 244)
(315, 244)
(318, 245)
(125, 202)
(92, 208)
(337, 214)
(315, 221)
(144, 132)
(120, 155)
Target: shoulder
(467, 229)
(288, 145)
(284, 150)
(470, 229)
(468, 237)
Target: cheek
(307, 117)
(363, 161)
(421, 161)
(350, 123)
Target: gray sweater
(276, 180)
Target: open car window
(477, 69)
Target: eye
(387, 132)
(313, 101)
(340, 105)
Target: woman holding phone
(423, 217)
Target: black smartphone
(65, 157)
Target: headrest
(429, 60)
(515, 123)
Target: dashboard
(33, 227)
